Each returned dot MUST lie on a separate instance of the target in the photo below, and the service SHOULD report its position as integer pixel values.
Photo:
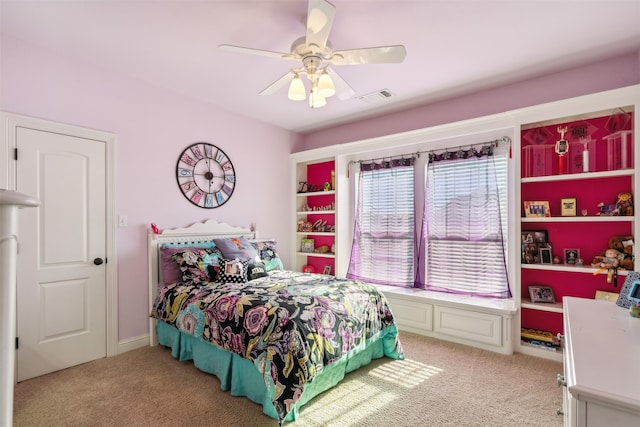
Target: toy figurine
(625, 204)
(562, 148)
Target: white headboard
(199, 232)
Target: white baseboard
(133, 343)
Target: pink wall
(152, 127)
(597, 77)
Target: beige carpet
(439, 384)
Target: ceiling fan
(315, 54)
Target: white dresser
(601, 364)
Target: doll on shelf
(611, 259)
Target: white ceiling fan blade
(260, 52)
(319, 22)
(370, 55)
(343, 90)
(278, 84)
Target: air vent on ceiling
(378, 96)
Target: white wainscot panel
(469, 325)
(410, 315)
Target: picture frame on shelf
(568, 206)
(307, 245)
(327, 269)
(537, 209)
(530, 253)
(626, 297)
(545, 256)
(541, 294)
(305, 226)
(534, 236)
(571, 256)
(532, 242)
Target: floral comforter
(288, 324)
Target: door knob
(98, 261)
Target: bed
(219, 296)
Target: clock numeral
(197, 196)
(227, 190)
(220, 197)
(196, 151)
(227, 167)
(188, 160)
(208, 151)
(185, 172)
(230, 178)
(208, 200)
(187, 186)
(220, 158)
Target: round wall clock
(205, 175)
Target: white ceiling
(453, 47)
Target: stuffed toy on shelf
(619, 254)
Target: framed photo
(534, 236)
(630, 292)
(327, 269)
(545, 256)
(568, 207)
(541, 294)
(536, 209)
(530, 253)
(305, 227)
(571, 256)
(307, 245)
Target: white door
(61, 279)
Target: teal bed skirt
(242, 378)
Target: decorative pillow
(255, 270)
(169, 269)
(267, 254)
(213, 264)
(236, 247)
(194, 264)
(233, 270)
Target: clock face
(205, 175)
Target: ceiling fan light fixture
(314, 53)
(325, 85)
(316, 100)
(297, 92)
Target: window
(464, 222)
(465, 219)
(383, 249)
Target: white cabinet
(601, 360)
(479, 322)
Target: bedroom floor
(439, 384)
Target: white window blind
(384, 237)
(465, 222)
